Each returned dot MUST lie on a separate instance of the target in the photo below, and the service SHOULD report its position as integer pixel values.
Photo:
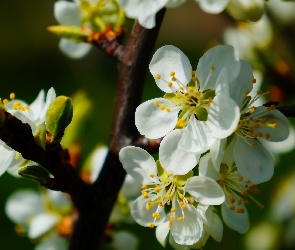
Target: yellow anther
(249, 97)
(194, 78)
(170, 225)
(259, 92)
(272, 125)
(158, 217)
(162, 107)
(200, 100)
(192, 72)
(171, 217)
(157, 189)
(143, 187)
(253, 144)
(231, 207)
(250, 133)
(173, 210)
(247, 92)
(12, 96)
(170, 84)
(183, 207)
(240, 178)
(263, 120)
(145, 195)
(173, 79)
(172, 73)
(169, 174)
(156, 103)
(147, 207)
(181, 88)
(152, 225)
(208, 105)
(180, 219)
(248, 181)
(5, 101)
(212, 68)
(267, 135)
(231, 198)
(158, 76)
(253, 80)
(168, 109)
(181, 197)
(181, 203)
(152, 175)
(252, 110)
(155, 214)
(178, 95)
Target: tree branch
(133, 64)
(288, 111)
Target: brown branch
(133, 64)
(288, 111)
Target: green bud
(58, 117)
(74, 33)
(34, 173)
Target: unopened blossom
(196, 101)
(238, 191)
(34, 115)
(172, 197)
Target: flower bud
(76, 34)
(58, 117)
(34, 173)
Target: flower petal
(22, 115)
(236, 221)
(72, 49)
(143, 216)
(196, 138)
(97, 161)
(219, 57)
(188, 231)
(54, 241)
(204, 190)
(7, 156)
(213, 6)
(217, 151)
(162, 231)
(153, 122)
(215, 228)
(51, 95)
(40, 224)
(58, 199)
(124, 240)
(37, 105)
(174, 3)
(22, 205)
(223, 116)
(131, 188)
(169, 59)
(206, 168)
(228, 157)
(174, 160)
(67, 13)
(147, 22)
(254, 163)
(139, 164)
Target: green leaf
(34, 173)
(171, 97)
(201, 113)
(74, 33)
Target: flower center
(237, 190)
(16, 106)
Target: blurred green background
(30, 61)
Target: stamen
(158, 76)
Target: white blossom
(198, 102)
(170, 184)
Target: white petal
(162, 231)
(206, 168)
(175, 245)
(217, 151)
(174, 3)
(197, 137)
(139, 164)
(137, 8)
(51, 95)
(124, 240)
(74, 50)
(222, 86)
(188, 231)
(221, 56)
(40, 224)
(7, 156)
(58, 199)
(254, 163)
(213, 6)
(204, 190)
(144, 217)
(174, 160)
(97, 161)
(228, 157)
(216, 228)
(22, 205)
(67, 13)
(282, 130)
(54, 242)
(22, 116)
(153, 122)
(37, 105)
(236, 221)
(223, 116)
(242, 83)
(169, 59)
(147, 22)
(131, 188)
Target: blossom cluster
(211, 152)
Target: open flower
(238, 190)
(33, 114)
(200, 104)
(253, 161)
(172, 197)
